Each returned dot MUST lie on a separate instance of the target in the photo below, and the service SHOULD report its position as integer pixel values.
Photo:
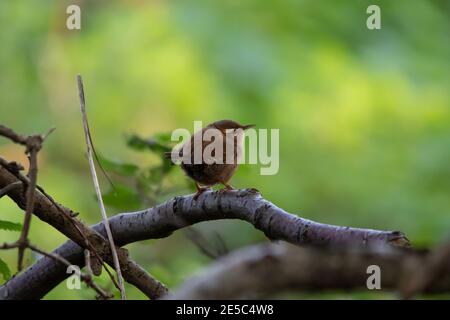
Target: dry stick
(7, 246)
(87, 278)
(97, 187)
(32, 173)
(10, 134)
(87, 259)
(201, 243)
(9, 188)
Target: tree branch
(162, 220)
(32, 149)
(263, 270)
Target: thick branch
(264, 270)
(162, 220)
(247, 205)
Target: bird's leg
(200, 190)
(227, 186)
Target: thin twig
(87, 278)
(97, 187)
(87, 261)
(13, 136)
(72, 218)
(32, 173)
(9, 188)
(223, 248)
(52, 255)
(201, 243)
(7, 246)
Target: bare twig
(87, 278)
(97, 187)
(9, 187)
(223, 248)
(13, 136)
(32, 173)
(87, 259)
(7, 246)
(202, 243)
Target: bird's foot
(228, 187)
(199, 192)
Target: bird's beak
(248, 126)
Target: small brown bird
(213, 168)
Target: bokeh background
(364, 116)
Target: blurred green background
(364, 116)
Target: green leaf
(4, 270)
(163, 137)
(156, 174)
(124, 169)
(10, 226)
(122, 198)
(158, 143)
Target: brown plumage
(209, 172)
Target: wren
(218, 166)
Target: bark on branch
(179, 212)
